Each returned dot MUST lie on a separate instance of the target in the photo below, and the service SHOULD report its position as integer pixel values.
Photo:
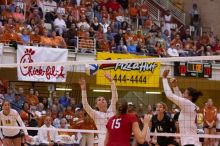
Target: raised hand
(173, 82)
(166, 73)
(82, 83)
(147, 119)
(108, 76)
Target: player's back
(120, 129)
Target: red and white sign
(31, 54)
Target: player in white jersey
(188, 111)
(101, 116)
(10, 117)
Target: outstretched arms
(85, 103)
(114, 92)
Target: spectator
(83, 23)
(216, 48)
(72, 36)
(210, 116)
(18, 15)
(44, 39)
(47, 137)
(59, 24)
(167, 22)
(70, 21)
(35, 37)
(113, 4)
(25, 113)
(57, 41)
(104, 25)
(143, 13)
(131, 47)
(69, 114)
(34, 16)
(18, 102)
(10, 95)
(50, 10)
(65, 100)
(25, 37)
(32, 99)
(172, 51)
(95, 24)
(57, 121)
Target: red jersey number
(116, 123)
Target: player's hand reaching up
(147, 119)
(166, 73)
(82, 83)
(173, 82)
(108, 76)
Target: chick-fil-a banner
(51, 73)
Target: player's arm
(176, 89)
(181, 102)
(85, 103)
(106, 138)
(114, 92)
(138, 134)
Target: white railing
(154, 12)
(175, 11)
(86, 45)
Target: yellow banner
(141, 74)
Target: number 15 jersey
(120, 129)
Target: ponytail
(195, 94)
(121, 107)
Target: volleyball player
(188, 111)
(10, 117)
(101, 116)
(122, 124)
(162, 123)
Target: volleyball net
(138, 79)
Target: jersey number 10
(116, 123)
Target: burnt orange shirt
(210, 114)
(12, 36)
(46, 41)
(35, 38)
(32, 100)
(24, 116)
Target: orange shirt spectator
(140, 37)
(104, 12)
(31, 98)
(45, 40)
(7, 14)
(129, 36)
(133, 11)
(204, 39)
(11, 35)
(35, 37)
(176, 41)
(57, 41)
(210, 114)
(113, 4)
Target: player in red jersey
(120, 127)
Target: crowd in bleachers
(123, 26)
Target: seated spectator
(204, 39)
(65, 100)
(44, 39)
(143, 12)
(57, 120)
(59, 24)
(216, 48)
(40, 110)
(133, 10)
(25, 37)
(35, 15)
(47, 137)
(10, 95)
(63, 125)
(131, 47)
(104, 12)
(113, 4)
(140, 37)
(104, 24)
(32, 99)
(160, 50)
(52, 96)
(24, 113)
(32, 25)
(35, 37)
(72, 36)
(176, 41)
(69, 114)
(18, 102)
(51, 6)
(95, 24)
(57, 41)
(124, 26)
(109, 35)
(172, 51)
(129, 35)
(70, 21)
(83, 23)
(121, 48)
(18, 15)
(6, 14)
